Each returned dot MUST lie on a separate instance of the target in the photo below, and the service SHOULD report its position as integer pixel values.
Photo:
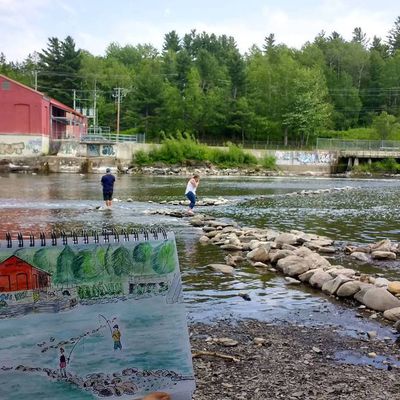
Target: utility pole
(94, 107)
(118, 96)
(35, 76)
(74, 91)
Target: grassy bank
(185, 150)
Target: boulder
(360, 256)
(319, 278)
(393, 314)
(285, 238)
(278, 254)
(317, 261)
(335, 271)
(289, 260)
(225, 269)
(303, 251)
(381, 282)
(271, 234)
(349, 289)
(379, 299)
(383, 245)
(383, 255)
(307, 275)
(364, 287)
(258, 254)
(259, 264)
(319, 243)
(288, 247)
(211, 234)
(394, 287)
(333, 285)
(204, 239)
(296, 269)
(327, 250)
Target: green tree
(394, 37)
(171, 42)
(59, 69)
(385, 125)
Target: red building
(17, 274)
(25, 112)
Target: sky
(25, 25)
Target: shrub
(269, 162)
(142, 157)
(234, 156)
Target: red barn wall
(22, 110)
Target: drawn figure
(116, 335)
(63, 364)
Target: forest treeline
(201, 84)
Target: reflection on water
(364, 214)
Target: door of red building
(22, 281)
(5, 285)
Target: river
(363, 214)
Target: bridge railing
(372, 145)
(113, 137)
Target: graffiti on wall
(97, 150)
(108, 150)
(93, 150)
(68, 148)
(12, 148)
(305, 157)
(34, 145)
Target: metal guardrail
(112, 137)
(358, 145)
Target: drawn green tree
(45, 259)
(64, 270)
(121, 261)
(89, 264)
(163, 261)
(142, 255)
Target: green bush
(234, 156)
(176, 150)
(184, 148)
(142, 157)
(269, 162)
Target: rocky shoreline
(254, 360)
(303, 259)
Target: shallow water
(366, 213)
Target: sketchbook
(92, 316)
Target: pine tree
(394, 37)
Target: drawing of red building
(16, 274)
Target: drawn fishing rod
(107, 321)
(73, 347)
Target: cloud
(20, 32)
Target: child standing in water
(63, 363)
(190, 192)
(116, 335)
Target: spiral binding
(84, 237)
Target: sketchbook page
(84, 321)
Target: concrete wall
(23, 145)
